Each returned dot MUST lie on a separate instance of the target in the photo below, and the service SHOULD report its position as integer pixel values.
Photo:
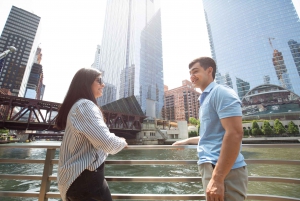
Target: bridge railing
(49, 161)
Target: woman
(87, 140)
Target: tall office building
(245, 35)
(256, 43)
(181, 103)
(35, 87)
(21, 30)
(131, 53)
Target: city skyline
(62, 57)
(69, 45)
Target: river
(291, 171)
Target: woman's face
(97, 87)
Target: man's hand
(215, 190)
(181, 142)
(188, 141)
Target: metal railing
(49, 161)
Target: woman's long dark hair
(80, 87)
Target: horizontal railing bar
(19, 194)
(20, 177)
(273, 162)
(150, 162)
(157, 162)
(182, 197)
(150, 196)
(188, 179)
(145, 196)
(56, 145)
(274, 179)
(270, 197)
(22, 161)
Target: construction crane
(271, 42)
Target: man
(222, 166)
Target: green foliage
(193, 133)
(278, 127)
(255, 128)
(266, 128)
(4, 131)
(194, 121)
(246, 133)
(292, 128)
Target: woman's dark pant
(90, 186)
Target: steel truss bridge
(18, 113)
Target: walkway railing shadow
(49, 161)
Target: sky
(72, 29)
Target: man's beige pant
(235, 182)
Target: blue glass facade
(254, 43)
(131, 53)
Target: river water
(282, 189)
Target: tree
(194, 121)
(193, 133)
(292, 128)
(4, 131)
(246, 132)
(266, 128)
(255, 128)
(278, 127)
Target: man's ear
(210, 70)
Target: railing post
(48, 168)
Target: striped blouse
(86, 144)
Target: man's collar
(210, 87)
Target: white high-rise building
(96, 63)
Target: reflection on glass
(242, 86)
(281, 70)
(240, 33)
(265, 100)
(295, 50)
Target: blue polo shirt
(219, 102)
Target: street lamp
(6, 52)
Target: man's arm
(188, 141)
(229, 152)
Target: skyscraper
(35, 87)
(21, 30)
(254, 42)
(131, 53)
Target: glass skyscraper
(256, 47)
(254, 43)
(131, 53)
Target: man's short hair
(205, 62)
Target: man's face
(200, 77)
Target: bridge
(123, 117)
